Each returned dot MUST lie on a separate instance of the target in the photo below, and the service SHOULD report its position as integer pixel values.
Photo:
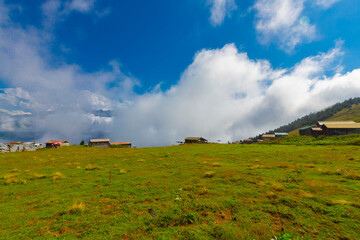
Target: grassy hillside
(351, 113)
(347, 110)
(208, 191)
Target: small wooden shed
(268, 137)
(101, 143)
(121, 144)
(195, 140)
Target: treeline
(312, 118)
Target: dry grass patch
(57, 176)
(11, 178)
(91, 167)
(345, 202)
(209, 174)
(35, 176)
(141, 160)
(122, 171)
(77, 208)
(14, 170)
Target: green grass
(352, 139)
(207, 191)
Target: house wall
(305, 132)
(340, 131)
(100, 145)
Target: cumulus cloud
(219, 10)
(280, 21)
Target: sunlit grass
(208, 191)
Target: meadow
(211, 191)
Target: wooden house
(101, 143)
(305, 131)
(330, 129)
(121, 144)
(195, 140)
(268, 137)
(316, 131)
(248, 141)
(279, 135)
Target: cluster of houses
(326, 128)
(330, 128)
(19, 146)
(33, 146)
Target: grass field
(207, 191)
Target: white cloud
(219, 10)
(80, 5)
(57, 10)
(326, 3)
(280, 21)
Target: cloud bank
(223, 94)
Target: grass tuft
(122, 171)
(91, 167)
(57, 176)
(10, 178)
(77, 208)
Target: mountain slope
(347, 110)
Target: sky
(155, 72)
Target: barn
(195, 140)
(330, 129)
(101, 143)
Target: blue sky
(142, 58)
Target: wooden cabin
(121, 144)
(101, 143)
(195, 140)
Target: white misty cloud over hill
(222, 94)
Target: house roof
(281, 134)
(54, 141)
(99, 140)
(334, 122)
(343, 126)
(304, 128)
(268, 135)
(121, 143)
(195, 138)
(15, 142)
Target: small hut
(268, 137)
(195, 140)
(101, 143)
(121, 145)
